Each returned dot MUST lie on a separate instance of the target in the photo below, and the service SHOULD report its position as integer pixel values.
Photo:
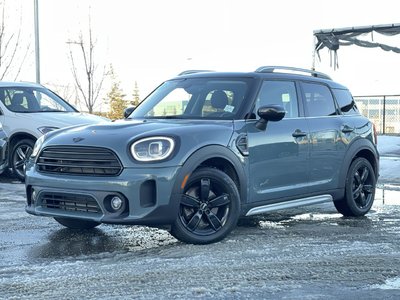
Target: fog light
(116, 203)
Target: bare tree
(66, 91)
(89, 87)
(11, 58)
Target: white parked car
(3, 150)
(29, 110)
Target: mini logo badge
(77, 139)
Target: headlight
(153, 148)
(37, 146)
(46, 129)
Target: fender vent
(242, 144)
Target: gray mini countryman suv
(206, 148)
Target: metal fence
(383, 110)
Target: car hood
(189, 135)
(61, 119)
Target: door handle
(298, 133)
(347, 129)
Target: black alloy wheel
(360, 189)
(209, 207)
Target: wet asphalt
(303, 253)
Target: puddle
(102, 241)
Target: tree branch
(89, 69)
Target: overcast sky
(149, 41)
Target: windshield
(195, 98)
(31, 100)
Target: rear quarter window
(346, 102)
(318, 100)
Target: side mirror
(271, 113)
(128, 111)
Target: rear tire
(359, 189)
(209, 208)
(76, 224)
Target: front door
(279, 155)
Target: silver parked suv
(27, 111)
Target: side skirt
(289, 204)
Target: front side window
(32, 100)
(198, 98)
(318, 100)
(282, 93)
(346, 103)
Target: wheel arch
(368, 155)
(360, 148)
(218, 157)
(16, 137)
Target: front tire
(76, 224)
(359, 189)
(20, 154)
(209, 208)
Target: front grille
(76, 160)
(70, 202)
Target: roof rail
(271, 69)
(193, 71)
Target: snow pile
(389, 168)
(389, 145)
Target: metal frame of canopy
(336, 37)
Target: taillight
(375, 134)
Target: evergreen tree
(136, 98)
(115, 98)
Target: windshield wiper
(168, 117)
(51, 110)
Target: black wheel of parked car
(20, 153)
(359, 190)
(209, 208)
(76, 224)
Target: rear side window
(318, 100)
(346, 102)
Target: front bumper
(148, 194)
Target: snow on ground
(389, 145)
(390, 284)
(389, 150)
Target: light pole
(37, 54)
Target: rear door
(278, 156)
(328, 141)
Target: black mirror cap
(128, 111)
(271, 112)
